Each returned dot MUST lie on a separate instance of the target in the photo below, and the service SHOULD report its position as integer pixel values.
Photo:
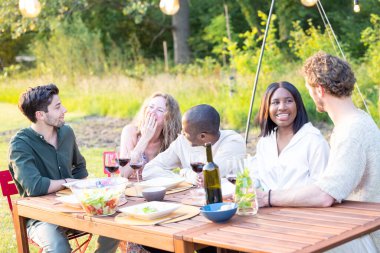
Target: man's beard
(320, 105)
(54, 123)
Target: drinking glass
(197, 161)
(111, 163)
(136, 163)
(123, 157)
(245, 193)
(233, 166)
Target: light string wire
(258, 70)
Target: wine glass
(234, 166)
(197, 161)
(136, 163)
(111, 163)
(123, 157)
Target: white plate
(69, 200)
(161, 181)
(150, 210)
(68, 184)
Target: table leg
(180, 246)
(20, 229)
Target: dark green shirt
(33, 161)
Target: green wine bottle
(211, 179)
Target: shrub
(306, 43)
(245, 58)
(70, 50)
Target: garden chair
(8, 189)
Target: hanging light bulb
(169, 7)
(356, 6)
(30, 8)
(309, 3)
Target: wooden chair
(8, 188)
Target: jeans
(52, 238)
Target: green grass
(121, 96)
(10, 118)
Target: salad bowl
(100, 196)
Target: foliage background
(106, 57)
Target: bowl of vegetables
(100, 196)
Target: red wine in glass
(231, 178)
(112, 169)
(136, 166)
(123, 161)
(197, 167)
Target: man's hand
(71, 179)
(262, 198)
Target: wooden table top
(292, 229)
(271, 230)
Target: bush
(70, 50)
(371, 38)
(306, 43)
(245, 58)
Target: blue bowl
(219, 212)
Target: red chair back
(104, 165)
(8, 187)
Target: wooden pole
(166, 56)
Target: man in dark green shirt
(45, 156)
(35, 162)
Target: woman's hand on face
(149, 127)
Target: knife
(169, 218)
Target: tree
(181, 33)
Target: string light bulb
(309, 3)
(169, 7)
(356, 6)
(30, 8)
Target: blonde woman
(157, 124)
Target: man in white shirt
(353, 169)
(200, 124)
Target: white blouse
(301, 162)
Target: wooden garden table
(285, 230)
(272, 230)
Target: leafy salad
(99, 201)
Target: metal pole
(258, 70)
